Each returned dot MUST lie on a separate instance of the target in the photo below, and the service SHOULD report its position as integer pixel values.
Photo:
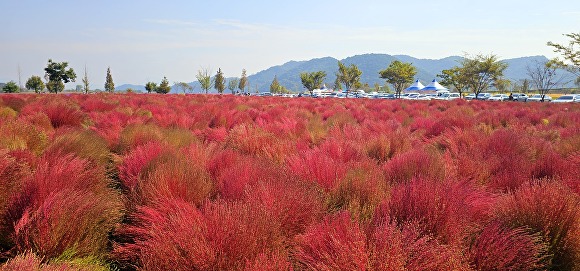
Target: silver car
(567, 99)
(538, 98)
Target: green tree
(109, 85)
(525, 87)
(399, 75)
(233, 84)
(57, 75)
(185, 87)
(219, 81)
(349, 76)
(86, 82)
(243, 82)
(503, 85)
(454, 78)
(482, 71)
(275, 86)
(204, 78)
(570, 53)
(151, 87)
(11, 87)
(337, 84)
(312, 80)
(543, 76)
(35, 83)
(164, 87)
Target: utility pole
(19, 79)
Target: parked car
(538, 98)
(422, 97)
(410, 96)
(499, 97)
(386, 96)
(471, 96)
(483, 96)
(567, 99)
(519, 97)
(449, 96)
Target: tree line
(472, 74)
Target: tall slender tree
(164, 87)
(233, 84)
(243, 81)
(204, 78)
(349, 76)
(86, 82)
(109, 85)
(275, 86)
(57, 74)
(399, 74)
(219, 81)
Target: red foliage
(550, 210)
(214, 182)
(499, 248)
(37, 220)
(336, 243)
(176, 235)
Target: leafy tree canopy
(219, 81)
(35, 83)
(312, 80)
(570, 53)
(349, 76)
(243, 81)
(204, 79)
(482, 72)
(151, 87)
(399, 75)
(57, 74)
(164, 87)
(109, 85)
(10, 87)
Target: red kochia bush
(337, 243)
(405, 247)
(31, 262)
(65, 205)
(315, 166)
(500, 248)
(135, 162)
(417, 163)
(175, 235)
(440, 209)
(552, 211)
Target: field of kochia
(210, 182)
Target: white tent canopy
(434, 86)
(415, 86)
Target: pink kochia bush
(222, 182)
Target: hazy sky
(145, 40)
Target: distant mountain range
(288, 74)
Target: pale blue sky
(145, 40)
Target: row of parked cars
(518, 97)
(522, 97)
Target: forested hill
(288, 74)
